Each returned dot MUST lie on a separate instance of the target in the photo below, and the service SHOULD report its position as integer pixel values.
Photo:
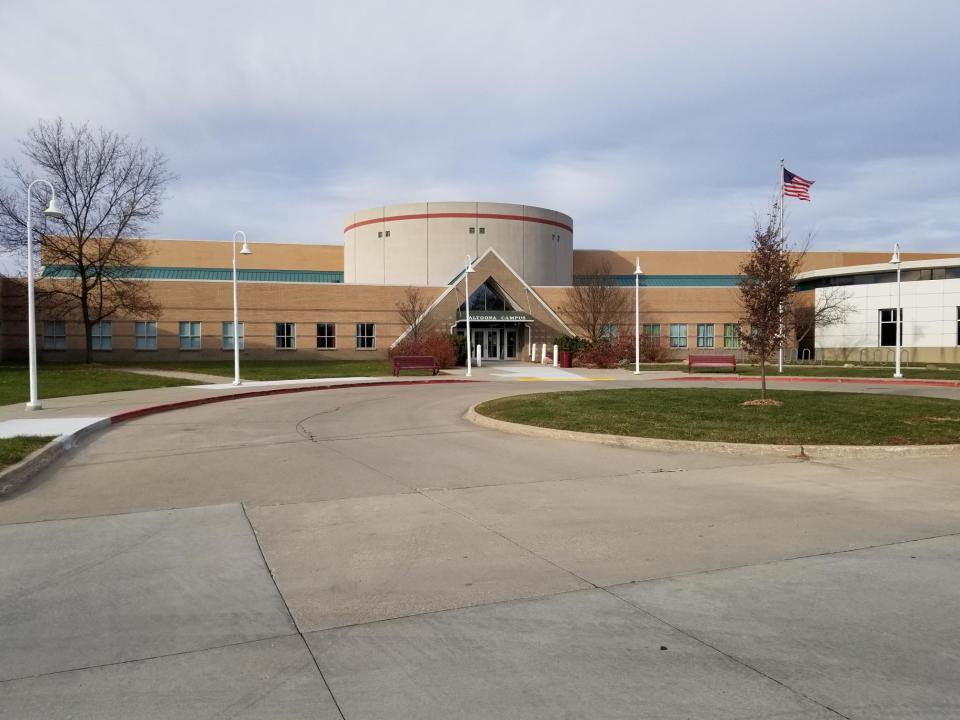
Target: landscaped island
(804, 418)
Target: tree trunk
(763, 378)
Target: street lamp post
(636, 333)
(466, 293)
(52, 211)
(898, 328)
(236, 320)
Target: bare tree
(594, 302)
(768, 278)
(411, 307)
(830, 307)
(109, 188)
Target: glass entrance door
(510, 344)
(489, 341)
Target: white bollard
(533, 352)
(543, 353)
(479, 356)
(556, 356)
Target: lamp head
(895, 258)
(245, 250)
(638, 271)
(469, 266)
(52, 210)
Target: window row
(145, 335)
(679, 335)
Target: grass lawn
(15, 449)
(711, 414)
(56, 380)
(280, 369)
(835, 371)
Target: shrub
(653, 349)
(606, 352)
(441, 347)
(569, 343)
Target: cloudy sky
(653, 124)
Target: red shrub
(440, 347)
(606, 352)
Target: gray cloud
(653, 124)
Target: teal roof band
(668, 280)
(210, 274)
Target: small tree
(109, 189)
(411, 307)
(594, 302)
(830, 307)
(768, 278)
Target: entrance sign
(495, 316)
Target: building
(314, 302)
(929, 321)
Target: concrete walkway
(363, 552)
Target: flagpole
(781, 250)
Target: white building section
(424, 244)
(930, 298)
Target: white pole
(236, 312)
(636, 317)
(543, 353)
(782, 239)
(466, 305)
(899, 325)
(533, 350)
(34, 403)
(556, 355)
(479, 355)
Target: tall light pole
(466, 293)
(895, 260)
(52, 211)
(636, 333)
(236, 320)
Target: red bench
(415, 362)
(712, 361)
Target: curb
(916, 382)
(642, 443)
(16, 476)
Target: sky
(655, 125)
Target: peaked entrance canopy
(506, 315)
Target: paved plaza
(366, 552)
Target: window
(380, 233)
(285, 335)
(610, 331)
(704, 335)
(54, 335)
(366, 336)
(678, 335)
(387, 233)
(731, 335)
(228, 336)
(652, 330)
(486, 298)
(189, 335)
(145, 335)
(483, 231)
(101, 335)
(472, 230)
(888, 327)
(326, 336)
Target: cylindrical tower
(425, 244)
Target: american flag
(796, 186)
